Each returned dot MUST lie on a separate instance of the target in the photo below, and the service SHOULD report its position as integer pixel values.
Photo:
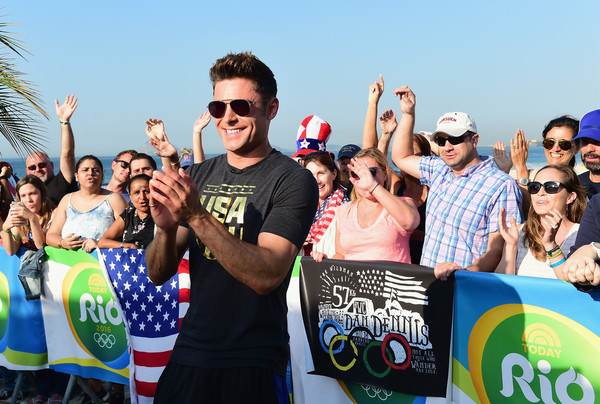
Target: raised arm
(403, 210)
(501, 159)
(510, 235)
(388, 123)
(370, 127)
(155, 130)
(67, 149)
(402, 146)
(261, 267)
(201, 123)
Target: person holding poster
(247, 214)
(466, 192)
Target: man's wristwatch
(524, 181)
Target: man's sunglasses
(551, 187)
(373, 171)
(563, 144)
(241, 107)
(441, 141)
(41, 166)
(124, 164)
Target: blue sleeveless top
(90, 224)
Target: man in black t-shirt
(38, 163)
(247, 213)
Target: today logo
(93, 314)
(523, 353)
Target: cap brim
(589, 133)
(303, 152)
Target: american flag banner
(153, 314)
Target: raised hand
(65, 111)
(519, 150)
(201, 123)
(365, 181)
(388, 122)
(509, 234)
(407, 100)
(376, 90)
(503, 162)
(550, 223)
(155, 130)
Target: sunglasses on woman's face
(563, 144)
(372, 170)
(241, 107)
(551, 187)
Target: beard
(592, 166)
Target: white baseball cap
(455, 124)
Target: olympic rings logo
(104, 340)
(394, 348)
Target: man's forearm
(162, 257)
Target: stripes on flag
(153, 314)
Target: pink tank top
(385, 240)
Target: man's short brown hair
(246, 66)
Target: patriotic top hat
(312, 135)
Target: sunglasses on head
(241, 107)
(124, 164)
(563, 144)
(41, 166)
(551, 187)
(372, 170)
(441, 141)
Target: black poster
(378, 323)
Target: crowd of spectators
(447, 207)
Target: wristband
(558, 263)
(7, 231)
(555, 254)
(60, 243)
(374, 188)
(121, 245)
(65, 123)
(552, 250)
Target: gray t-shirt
(227, 323)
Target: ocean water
(536, 159)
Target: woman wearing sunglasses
(540, 245)
(321, 238)
(558, 146)
(377, 224)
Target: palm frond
(20, 103)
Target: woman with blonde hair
(540, 245)
(377, 224)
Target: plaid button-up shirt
(462, 211)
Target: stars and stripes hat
(312, 136)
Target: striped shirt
(462, 211)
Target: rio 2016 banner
(380, 324)
(86, 335)
(519, 339)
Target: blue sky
(510, 64)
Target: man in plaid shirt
(466, 193)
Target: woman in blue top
(82, 217)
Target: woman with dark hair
(29, 217)
(321, 238)
(377, 224)
(539, 246)
(558, 145)
(82, 217)
(134, 228)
